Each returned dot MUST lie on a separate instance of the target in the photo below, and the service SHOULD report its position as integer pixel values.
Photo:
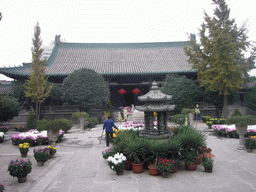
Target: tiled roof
(113, 59)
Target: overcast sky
(106, 21)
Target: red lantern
(136, 91)
(121, 91)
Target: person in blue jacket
(108, 124)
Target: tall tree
(183, 90)
(36, 88)
(219, 56)
(87, 89)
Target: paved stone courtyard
(79, 166)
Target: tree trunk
(225, 114)
(37, 115)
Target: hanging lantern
(136, 91)
(121, 91)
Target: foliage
(9, 107)
(158, 149)
(24, 147)
(207, 162)
(219, 57)
(42, 154)
(52, 150)
(183, 90)
(4, 129)
(77, 115)
(237, 112)
(20, 128)
(189, 156)
(65, 124)
(2, 187)
(241, 120)
(19, 168)
(92, 121)
(19, 90)
(86, 88)
(174, 147)
(165, 166)
(216, 99)
(36, 88)
(250, 142)
(250, 99)
(187, 111)
(178, 118)
(31, 121)
(107, 153)
(136, 149)
(117, 162)
(54, 125)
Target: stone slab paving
(79, 166)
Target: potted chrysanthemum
(117, 163)
(20, 169)
(41, 155)
(24, 148)
(52, 150)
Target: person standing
(108, 124)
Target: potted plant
(136, 150)
(250, 143)
(241, 123)
(2, 187)
(117, 163)
(209, 123)
(165, 166)
(1, 137)
(107, 153)
(190, 158)
(41, 155)
(156, 149)
(24, 148)
(20, 169)
(207, 161)
(52, 150)
(81, 116)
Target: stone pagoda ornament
(155, 101)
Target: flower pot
(120, 172)
(24, 154)
(208, 170)
(22, 179)
(128, 165)
(191, 166)
(153, 170)
(40, 163)
(137, 168)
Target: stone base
(164, 136)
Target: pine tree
(36, 87)
(219, 56)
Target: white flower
(124, 158)
(119, 160)
(112, 167)
(115, 162)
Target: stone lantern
(155, 101)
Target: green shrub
(92, 121)
(66, 124)
(31, 121)
(179, 118)
(236, 112)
